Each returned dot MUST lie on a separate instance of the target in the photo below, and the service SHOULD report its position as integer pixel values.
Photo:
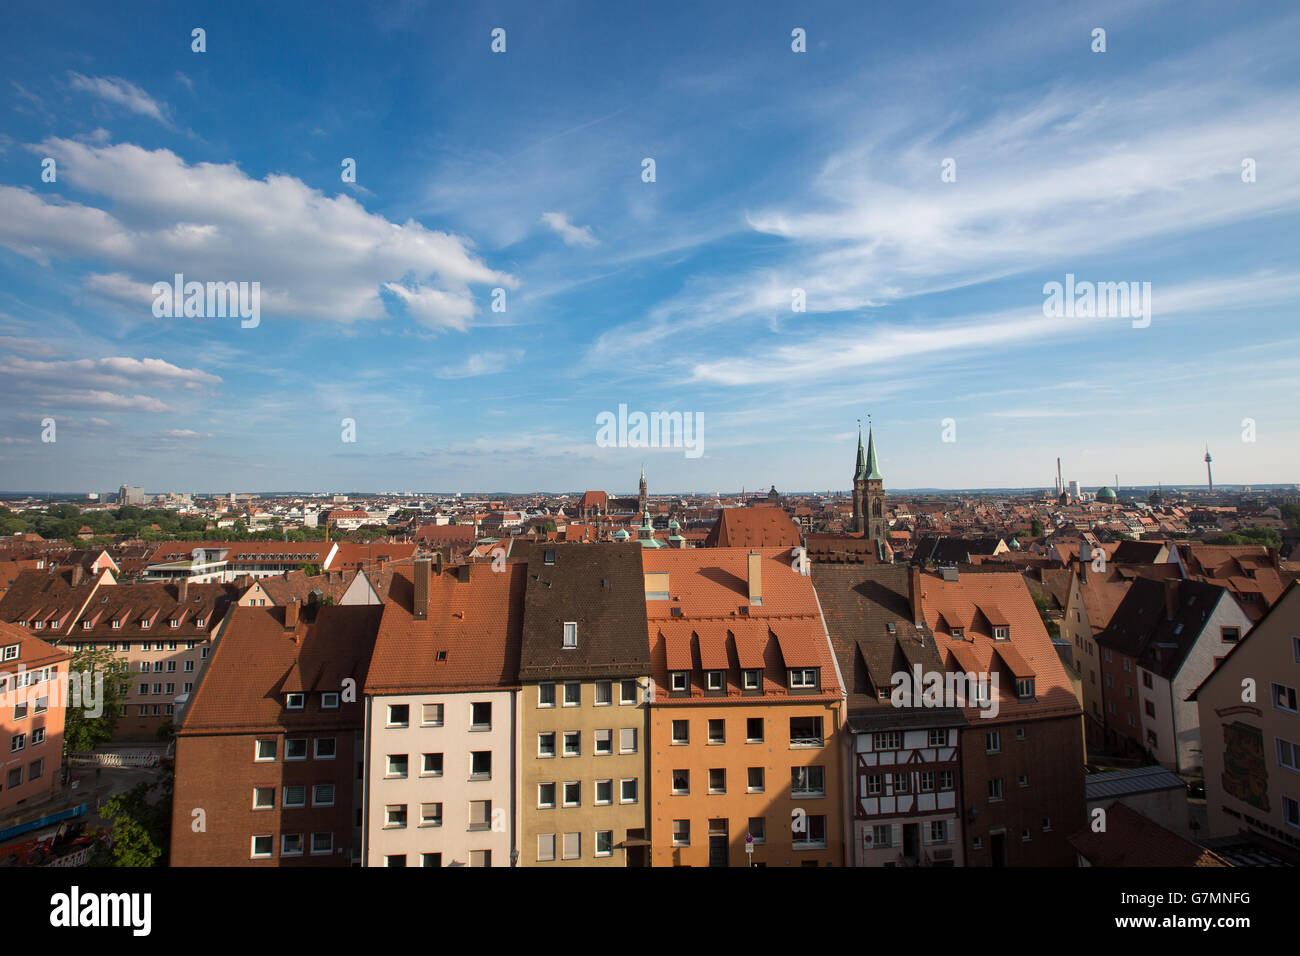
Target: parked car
(1196, 789)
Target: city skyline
(775, 172)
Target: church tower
(868, 491)
(641, 498)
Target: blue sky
(522, 171)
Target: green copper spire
(860, 473)
(873, 467)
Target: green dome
(621, 534)
(1107, 493)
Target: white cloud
(114, 89)
(315, 256)
(482, 363)
(566, 230)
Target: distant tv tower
(1209, 475)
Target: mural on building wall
(1245, 774)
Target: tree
(1036, 528)
(141, 830)
(108, 675)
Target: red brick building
(269, 756)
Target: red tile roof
(753, 528)
(470, 639)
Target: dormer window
(329, 701)
(199, 621)
(1025, 688)
(570, 634)
(804, 678)
(175, 622)
(678, 679)
(117, 625)
(715, 680)
(38, 624)
(85, 625)
(11, 652)
(753, 679)
(295, 701)
(144, 625)
(958, 633)
(1002, 633)
(54, 624)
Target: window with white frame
(295, 795)
(263, 845)
(570, 634)
(628, 790)
(627, 692)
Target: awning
(629, 843)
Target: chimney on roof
(183, 590)
(76, 575)
(420, 604)
(914, 595)
(755, 569)
(437, 561)
(291, 615)
(1083, 561)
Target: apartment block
(1250, 731)
(585, 673)
(33, 676)
(442, 722)
(902, 755)
(270, 756)
(746, 714)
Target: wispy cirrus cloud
(114, 89)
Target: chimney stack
(183, 590)
(291, 615)
(755, 578)
(914, 595)
(1083, 561)
(420, 604)
(76, 574)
